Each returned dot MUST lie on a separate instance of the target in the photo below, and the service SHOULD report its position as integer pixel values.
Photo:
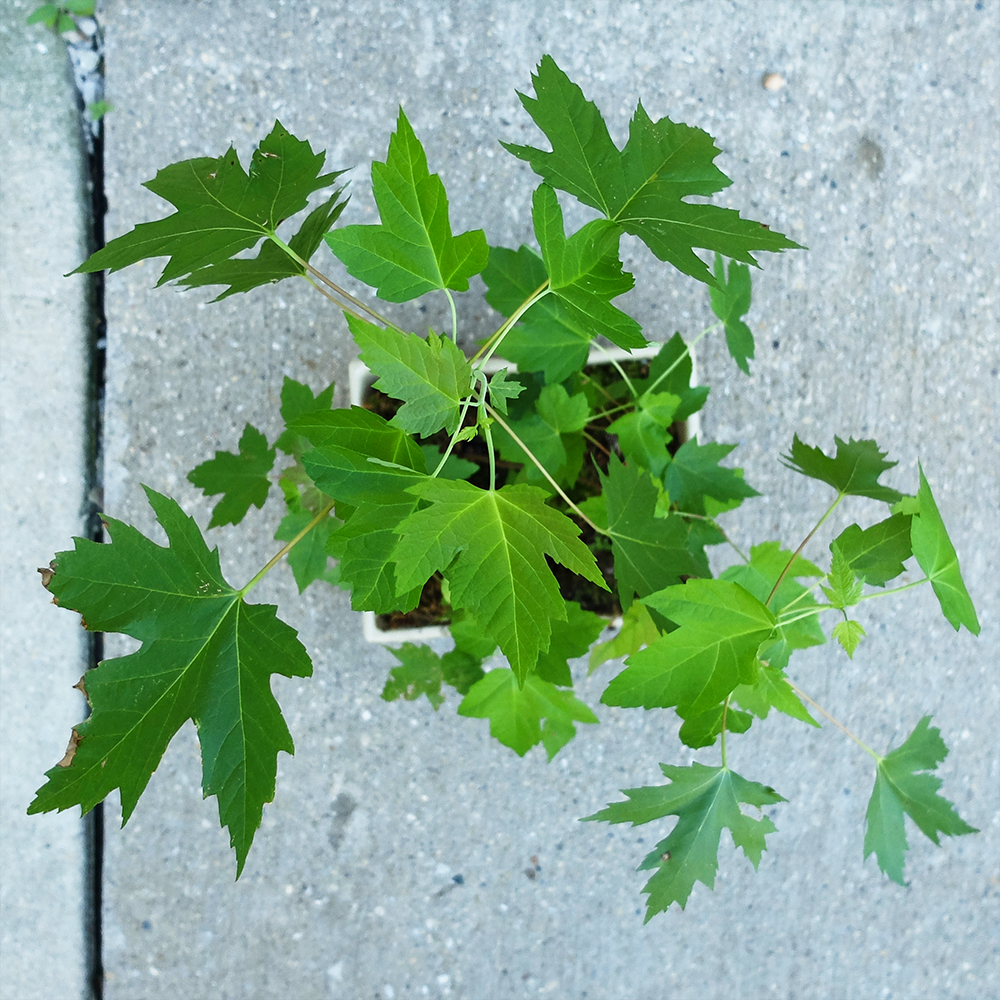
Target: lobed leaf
(431, 376)
(695, 473)
(516, 711)
(938, 559)
(705, 800)
(491, 547)
(221, 209)
(853, 471)
(206, 655)
(413, 250)
(730, 297)
(877, 553)
(640, 188)
(901, 788)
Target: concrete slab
(880, 153)
(43, 319)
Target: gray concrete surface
(42, 385)
(880, 153)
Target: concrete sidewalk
(880, 153)
(43, 336)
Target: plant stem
(339, 305)
(688, 348)
(596, 443)
(618, 367)
(493, 460)
(271, 563)
(814, 610)
(454, 438)
(896, 590)
(722, 734)
(819, 708)
(545, 472)
(494, 341)
(332, 285)
(805, 541)
(454, 315)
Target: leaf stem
(715, 524)
(545, 472)
(332, 285)
(895, 590)
(688, 348)
(722, 733)
(454, 315)
(336, 302)
(494, 341)
(271, 563)
(618, 367)
(805, 541)
(819, 708)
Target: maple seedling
(523, 496)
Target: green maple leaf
(548, 337)
(296, 401)
(643, 434)
(650, 553)
(849, 634)
(419, 673)
(242, 479)
(938, 559)
(640, 188)
(500, 390)
(413, 251)
(637, 630)
(695, 474)
(359, 457)
(516, 711)
(570, 638)
(491, 547)
(272, 263)
(877, 553)
(845, 587)
(671, 371)
(585, 272)
(309, 560)
(221, 209)
(693, 668)
(431, 376)
(853, 471)
(770, 689)
(703, 729)
(704, 800)
(206, 655)
(899, 789)
(364, 545)
(731, 302)
(767, 563)
(549, 431)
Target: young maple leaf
(695, 473)
(704, 800)
(242, 478)
(642, 187)
(694, 667)
(413, 251)
(877, 553)
(853, 471)
(938, 559)
(206, 655)
(899, 788)
(222, 210)
(731, 302)
(516, 711)
(431, 376)
(491, 547)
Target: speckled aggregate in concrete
(880, 153)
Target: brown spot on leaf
(47, 572)
(665, 857)
(81, 686)
(74, 741)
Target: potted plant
(519, 494)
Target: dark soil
(432, 610)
